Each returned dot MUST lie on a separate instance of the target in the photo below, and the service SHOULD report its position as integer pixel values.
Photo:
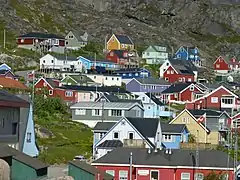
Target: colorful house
(165, 164)
(106, 79)
(220, 99)
(130, 73)
(221, 65)
(189, 53)
(125, 58)
(120, 42)
(5, 67)
(7, 74)
(148, 85)
(75, 40)
(213, 132)
(80, 80)
(90, 64)
(132, 132)
(42, 42)
(82, 170)
(155, 54)
(181, 92)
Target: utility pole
(197, 152)
(130, 166)
(103, 110)
(4, 38)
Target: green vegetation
(191, 138)
(214, 176)
(69, 138)
(178, 107)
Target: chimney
(166, 152)
(149, 151)
(155, 150)
(170, 151)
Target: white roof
(106, 105)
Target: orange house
(120, 42)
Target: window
(94, 77)
(149, 107)
(116, 112)
(189, 79)
(172, 72)
(113, 39)
(115, 135)
(66, 42)
(70, 37)
(185, 176)
(183, 120)
(122, 45)
(111, 172)
(56, 42)
(117, 79)
(143, 98)
(225, 177)
(50, 92)
(112, 78)
(180, 80)
(179, 55)
(158, 136)
(96, 112)
(192, 88)
(199, 176)
(68, 93)
(43, 61)
(167, 64)
(167, 138)
(166, 79)
(214, 99)
(101, 135)
(80, 112)
(136, 74)
(14, 128)
(29, 137)
(22, 40)
(52, 61)
(217, 65)
(130, 135)
(227, 101)
(106, 78)
(168, 72)
(123, 175)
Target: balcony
(134, 143)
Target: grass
(70, 139)
(178, 107)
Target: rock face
(211, 25)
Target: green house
(82, 171)
(22, 166)
(80, 80)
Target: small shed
(82, 171)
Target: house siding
(188, 95)
(79, 174)
(113, 44)
(174, 77)
(221, 65)
(133, 86)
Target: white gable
(123, 128)
(163, 68)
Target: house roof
(93, 88)
(176, 88)
(178, 157)
(91, 169)
(79, 35)
(209, 112)
(4, 71)
(103, 126)
(183, 66)
(154, 99)
(123, 39)
(172, 128)
(11, 83)
(120, 53)
(65, 58)
(111, 144)
(29, 161)
(80, 78)
(53, 82)
(107, 105)
(153, 81)
(41, 35)
(99, 60)
(114, 98)
(6, 96)
(157, 48)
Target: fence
(200, 146)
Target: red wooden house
(225, 64)
(43, 41)
(54, 89)
(7, 74)
(164, 164)
(234, 64)
(178, 73)
(220, 98)
(182, 92)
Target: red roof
(11, 83)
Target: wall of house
(85, 96)
(98, 136)
(106, 80)
(62, 93)
(188, 94)
(113, 44)
(101, 152)
(72, 43)
(29, 145)
(133, 86)
(174, 143)
(76, 173)
(163, 68)
(171, 76)
(116, 170)
(221, 65)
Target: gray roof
(154, 99)
(209, 112)
(153, 81)
(107, 105)
(52, 82)
(79, 36)
(176, 88)
(183, 66)
(111, 144)
(29, 161)
(172, 128)
(91, 169)
(65, 58)
(6, 96)
(103, 126)
(41, 35)
(179, 157)
(114, 98)
(123, 39)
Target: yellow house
(198, 130)
(120, 42)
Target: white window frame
(196, 176)
(166, 79)
(50, 92)
(111, 172)
(80, 112)
(191, 88)
(214, 99)
(123, 177)
(217, 65)
(180, 79)
(184, 120)
(226, 99)
(69, 94)
(116, 113)
(97, 114)
(167, 139)
(189, 79)
(172, 72)
(185, 178)
(114, 134)
(168, 72)
(155, 171)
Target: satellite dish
(230, 79)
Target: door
(154, 175)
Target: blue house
(137, 132)
(153, 107)
(91, 64)
(133, 73)
(189, 53)
(5, 67)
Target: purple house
(155, 86)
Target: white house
(126, 132)
(155, 55)
(61, 63)
(106, 80)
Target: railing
(200, 146)
(134, 143)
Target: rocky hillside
(212, 25)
